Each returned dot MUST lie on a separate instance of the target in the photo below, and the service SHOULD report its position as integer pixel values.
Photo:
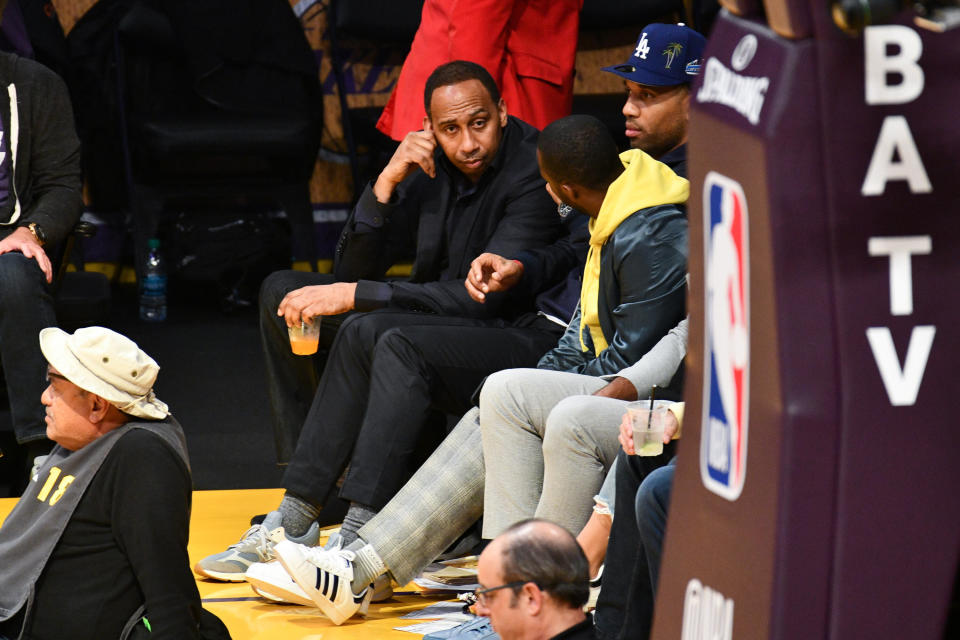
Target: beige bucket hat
(108, 364)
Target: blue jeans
(606, 497)
(652, 503)
(26, 307)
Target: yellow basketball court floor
(218, 520)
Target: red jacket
(528, 46)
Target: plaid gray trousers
(442, 499)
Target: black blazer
(508, 212)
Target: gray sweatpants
(446, 495)
(547, 444)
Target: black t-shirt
(581, 631)
(126, 544)
(5, 163)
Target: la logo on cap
(643, 48)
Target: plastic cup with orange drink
(305, 337)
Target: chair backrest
(199, 104)
(176, 57)
(153, 76)
(394, 22)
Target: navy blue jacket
(643, 270)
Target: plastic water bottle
(153, 285)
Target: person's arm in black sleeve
(650, 260)
(54, 178)
(375, 236)
(543, 268)
(530, 272)
(151, 518)
(384, 222)
(529, 221)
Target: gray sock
(333, 542)
(297, 513)
(357, 516)
(367, 564)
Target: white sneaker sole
(296, 565)
(219, 576)
(270, 586)
(271, 593)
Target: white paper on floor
(424, 628)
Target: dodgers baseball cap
(665, 55)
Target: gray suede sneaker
(256, 545)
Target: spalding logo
(744, 52)
(723, 444)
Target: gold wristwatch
(38, 233)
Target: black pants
(625, 605)
(291, 379)
(386, 372)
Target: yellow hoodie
(644, 183)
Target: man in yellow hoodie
(632, 295)
(633, 288)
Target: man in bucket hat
(107, 510)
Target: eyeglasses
(481, 594)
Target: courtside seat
(214, 115)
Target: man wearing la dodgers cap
(657, 76)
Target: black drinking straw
(653, 392)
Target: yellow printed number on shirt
(48, 485)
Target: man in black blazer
(467, 184)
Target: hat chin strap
(149, 398)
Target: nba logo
(723, 443)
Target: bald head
(547, 554)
